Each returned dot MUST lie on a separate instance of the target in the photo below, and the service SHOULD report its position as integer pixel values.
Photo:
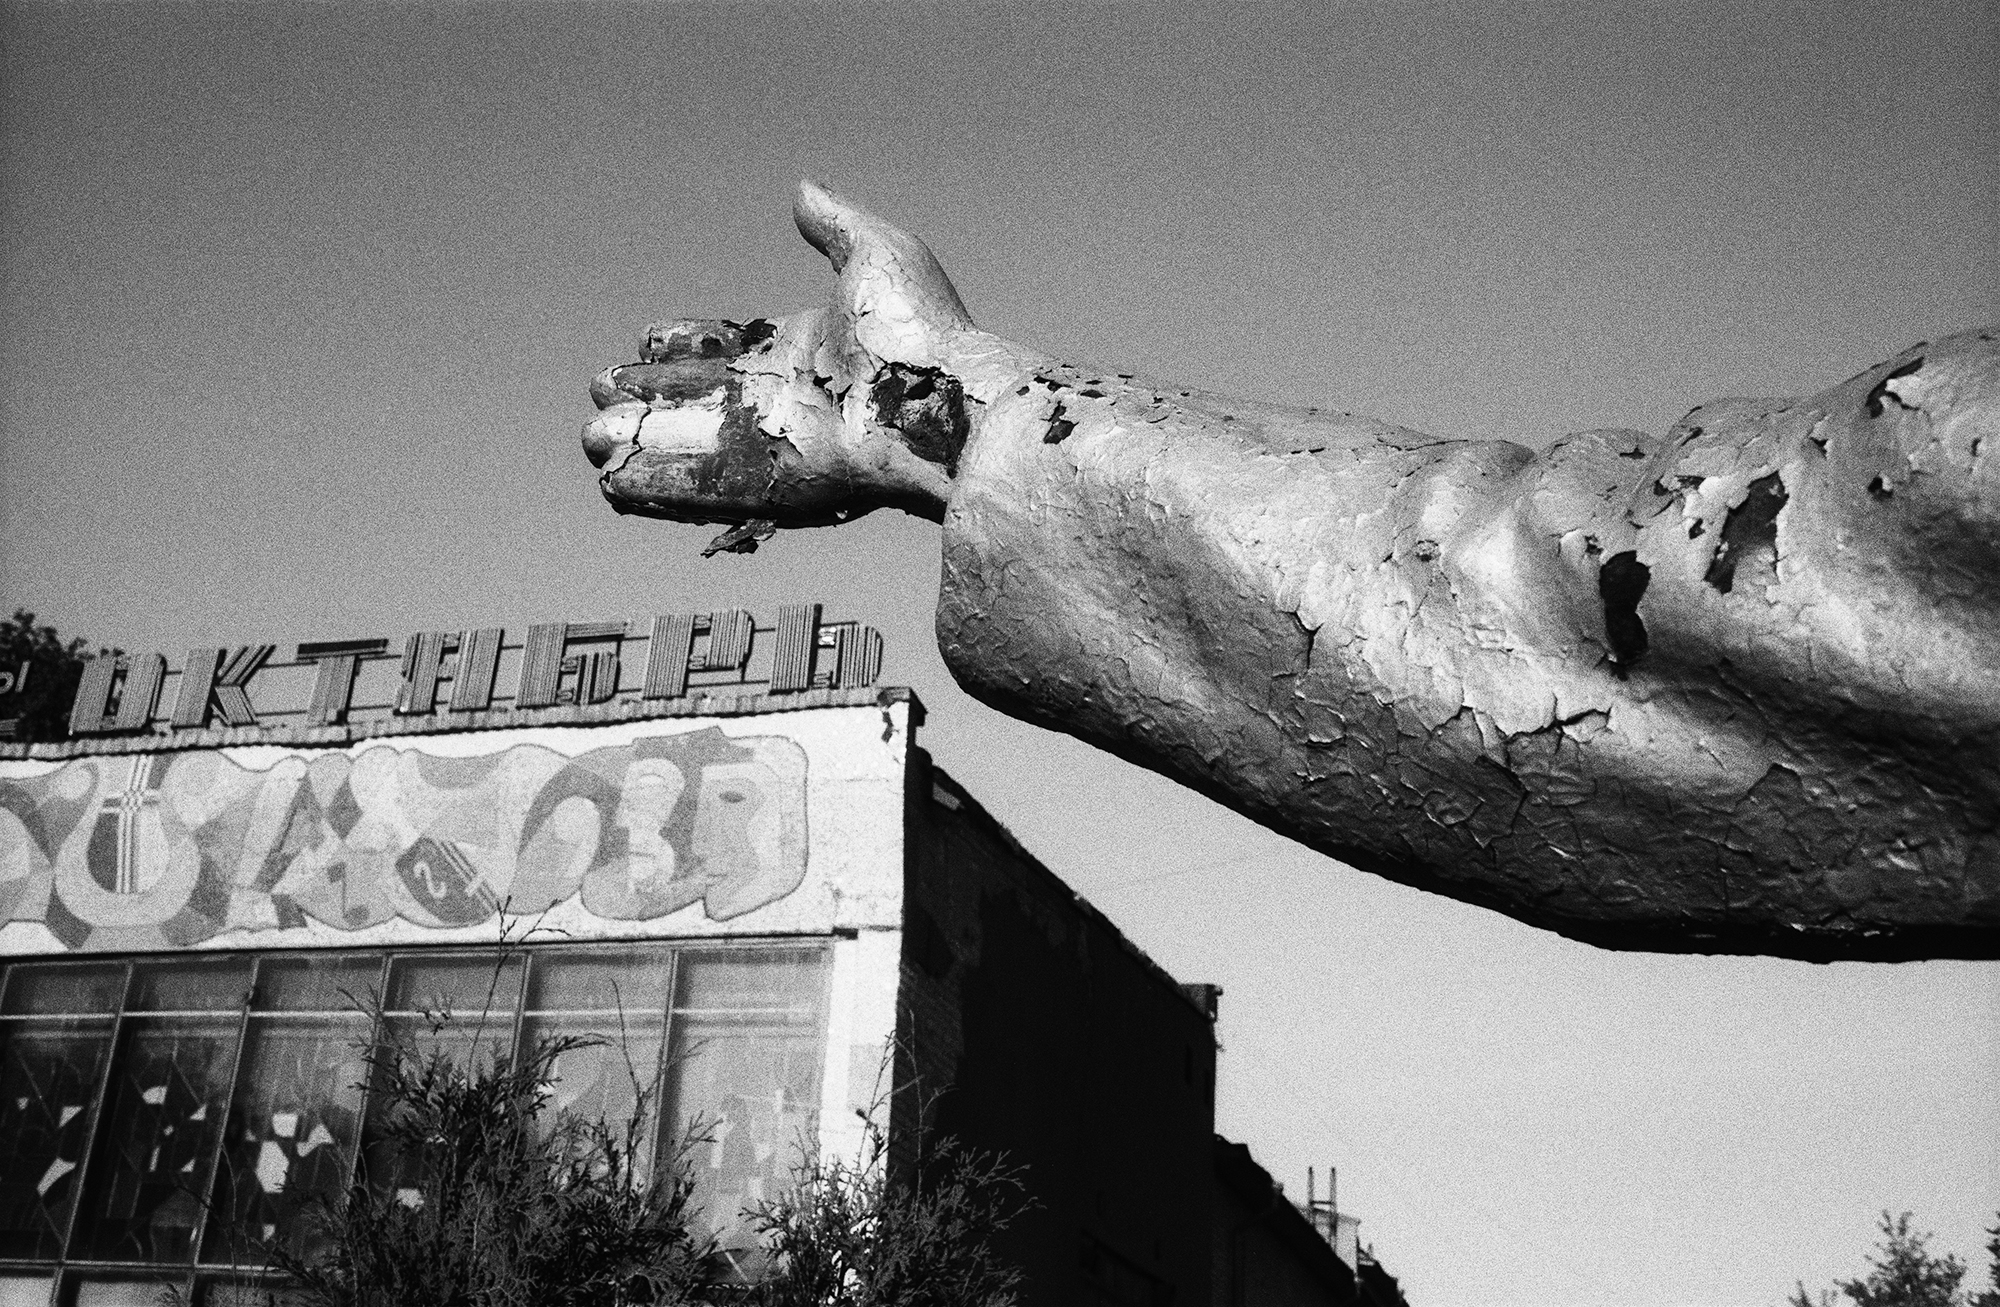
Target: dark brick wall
(1055, 1041)
(1267, 1253)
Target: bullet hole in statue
(1882, 391)
(1621, 584)
(1750, 535)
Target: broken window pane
(162, 1120)
(49, 1071)
(289, 1149)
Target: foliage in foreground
(496, 1202)
(485, 1197)
(1903, 1273)
(847, 1235)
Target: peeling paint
(1887, 389)
(928, 407)
(1059, 427)
(1621, 583)
(1749, 535)
(1736, 688)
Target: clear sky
(298, 304)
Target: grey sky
(297, 305)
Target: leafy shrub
(481, 1198)
(852, 1234)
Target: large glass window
(745, 1049)
(165, 1121)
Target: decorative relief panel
(168, 850)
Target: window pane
(118, 1293)
(25, 1290)
(787, 979)
(48, 1081)
(86, 988)
(473, 1043)
(163, 1118)
(616, 999)
(190, 985)
(617, 980)
(291, 1138)
(748, 1097)
(466, 984)
(602, 1080)
(744, 1085)
(336, 982)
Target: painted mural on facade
(165, 850)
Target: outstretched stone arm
(1734, 690)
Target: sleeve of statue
(1733, 689)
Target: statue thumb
(891, 285)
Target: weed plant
(478, 1192)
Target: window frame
(66, 1272)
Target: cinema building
(713, 844)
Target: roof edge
(972, 807)
(492, 719)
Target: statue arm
(1737, 689)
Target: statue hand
(810, 419)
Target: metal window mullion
(376, 1021)
(673, 965)
(206, 1205)
(96, 1124)
(659, 1082)
(520, 1005)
